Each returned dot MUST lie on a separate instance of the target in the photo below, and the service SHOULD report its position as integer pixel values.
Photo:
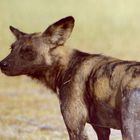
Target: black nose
(3, 64)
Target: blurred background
(28, 111)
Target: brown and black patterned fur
(92, 88)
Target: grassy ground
(27, 110)
(29, 113)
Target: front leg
(75, 117)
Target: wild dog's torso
(99, 82)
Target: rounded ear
(16, 32)
(59, 32)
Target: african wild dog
(92, 88)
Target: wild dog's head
(31, 52)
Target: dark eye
(26, 50)
(27, 54)
(28, 47)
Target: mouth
(6, 72)
(4, 69)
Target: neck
(53, 75)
